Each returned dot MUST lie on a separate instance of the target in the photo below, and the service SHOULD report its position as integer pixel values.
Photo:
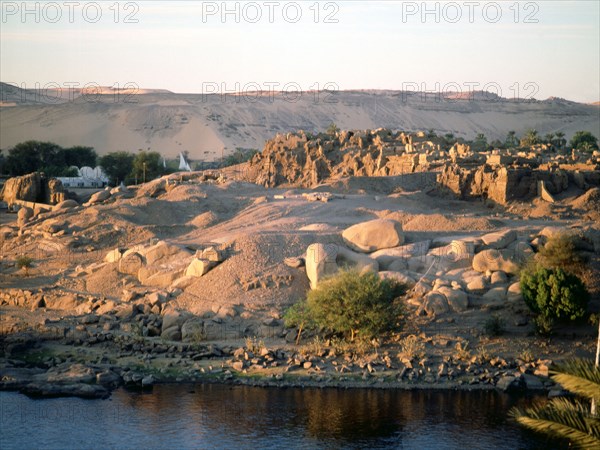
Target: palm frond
(579, 376)
(562, 418)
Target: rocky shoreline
(65, 368)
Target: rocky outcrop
(302, 160)
(34, 187)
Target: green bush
(554, 293)
(351, 305)
(543, 325)
(494, 326)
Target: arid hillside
(209, 126)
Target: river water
(240, 417)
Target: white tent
(183, 164)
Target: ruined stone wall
(503, 184)
(34, 187)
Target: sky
(525, 49)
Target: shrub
(24, 262)
(494, 326)
(254, 345)
(554, 293)
(543, 325)
(559, 253)
(462, 351)
(350, 304)
(411, 348)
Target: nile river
(239, 417)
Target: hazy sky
(540, 49)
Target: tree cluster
(132, 168)
(47, 157)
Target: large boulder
(435, 303)
(387, 256)
(173, 318)
(476, 284)
(192, 330)
(67, 302)
(462, 248)
(171, 334)
(65, 205)
(320, 262)
(163, 251)
(24, 215)
(99, 197)
(400, 277)
(398, 265)
(456, 298)
(496, 294)
(164, 278)
(130, 263)
(373, 235)
(199, 267)
(494, 260)
(323, 260)
(352, 260)
(449, 257)
(499, 239)
(114, 255)
(514, 292)
(153, 188)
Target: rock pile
(163, 264)
(472, 271)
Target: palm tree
(549, 137)
(511, 139)
(586, 147)
(569, 419)
(530, 138)
(560, 139)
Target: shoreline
(80, 391)
(42, 369)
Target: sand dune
(208, 126)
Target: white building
(88, 178)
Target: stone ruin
(35, 187)
(297, 159)
(502, 183)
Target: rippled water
(215, 416)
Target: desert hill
(209, 126)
